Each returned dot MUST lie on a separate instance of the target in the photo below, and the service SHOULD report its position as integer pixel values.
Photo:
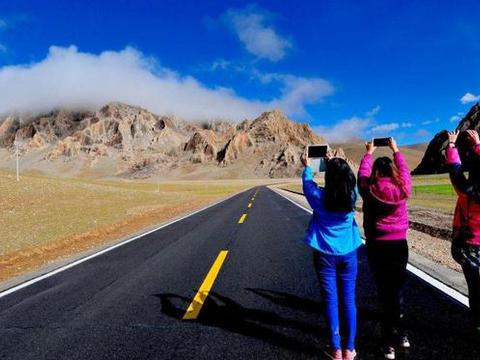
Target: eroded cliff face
(434, 162)
(130, 141)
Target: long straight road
(260, 297)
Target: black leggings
(388, 261)
(472, 276)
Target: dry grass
(43, 218)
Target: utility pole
(17, 150)
(18, 162)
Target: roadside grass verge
(43, 219)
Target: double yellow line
(199, 299)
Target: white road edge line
(447, 290)
(110, 248)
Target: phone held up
(381, 141)
(317, 155)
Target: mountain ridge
(129, 141)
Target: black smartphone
(317, 151)
(381, 141)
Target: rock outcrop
(433, 162)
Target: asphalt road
(264, 304)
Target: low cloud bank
(68, 78)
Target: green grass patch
(437, 189)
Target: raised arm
(365, 169)
(454, 163)
(475, 140)
(310, 189)
(402, 166)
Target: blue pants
(337, 275)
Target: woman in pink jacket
(385, 187)
(466, 221)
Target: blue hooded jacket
(333, 233)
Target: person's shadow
(221, 312)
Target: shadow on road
(286, 299)
(302, 331)
(222, 312)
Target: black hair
(340, 185)
(470, 160)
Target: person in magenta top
(385, 187)
(466, 221)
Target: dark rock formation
(433, 161)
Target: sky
(350, 69)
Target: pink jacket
(385, 214)
(467, 210)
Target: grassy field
(433, 191)
(45, 218)
(430, 191)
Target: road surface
(263, 299)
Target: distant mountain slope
(123, 140)
(355, 151)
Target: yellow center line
(250, 205)
(242, 218)
(197, 303)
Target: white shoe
(404, 342)
(389, 353)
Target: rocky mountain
(123, 140)
(433, 162)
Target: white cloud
(429, 122)
(299, 91)
(258, 38)
(219, 64)
(457, 117)
(386, 128)
(374, 112)
(469, 97)
(67, 78)
(345, 130)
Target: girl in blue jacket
(334, 236)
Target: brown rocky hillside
(123, 140)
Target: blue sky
(348, 68)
